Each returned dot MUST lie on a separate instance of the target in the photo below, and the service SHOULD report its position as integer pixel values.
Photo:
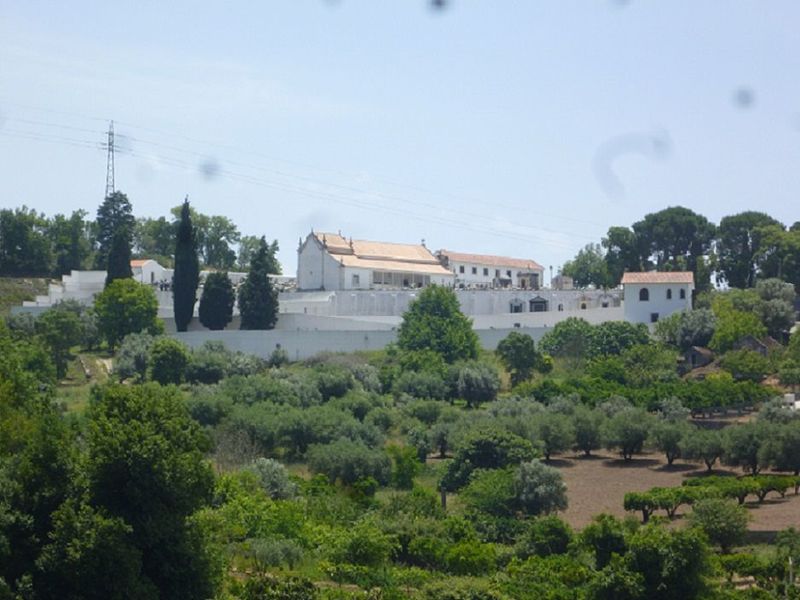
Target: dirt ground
(598, 484)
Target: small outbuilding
(650, 296)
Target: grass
(84, 371)
(13, 290)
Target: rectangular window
(497, 273)
(356, 281)
(461, 268)
(508, 273)
(485, 272)
(654, 317)
(474, 270)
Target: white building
(648, 297)
(486, 271)
(147, 270)
(328, 261)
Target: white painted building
(648, 297)
(148, 271)
(487, 271)
(328, 261)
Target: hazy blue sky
(524, 128)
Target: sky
(521, 128)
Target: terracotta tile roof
(338, 245)
(139, 262)
(397, 266)
(659, 277)
(490, 260)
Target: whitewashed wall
(638, 311)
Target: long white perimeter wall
(338, 334)
(300, 345)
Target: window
(682, 294)
(516, 306)
(560, 307)
(583, 305)
(644, 295)
(508, 273)
(538, 304)
(356, 280)
(669, 294)
(474, 270)
(485, 272)
(460, 268)
(653, 317)
(497, 273)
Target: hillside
(13, 290)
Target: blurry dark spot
(655, 145)
(621, 3)
(209, 168)
(744, 98)
(438, 4)
(123, 143)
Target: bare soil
(598, 484)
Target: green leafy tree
(145, 466)
(476, 382)
(539, 489)
(114, 217)
(544, 536)
(154, 238)
(24, 246)
(739, 245)
(434, 321)
(485, 449)
(274, 478)
(687, 328)
(168, 361)
(702, 444)
(723, 521)
(677, 238)
(491, 491)
(248, 246)
(60, 330)
(119, 257)
(589, 268)
(258, 300)
(667, 437)
(187, 270)
(614, 337)
(133, 356)
(604, 537)
(570, 338)
(733, 325)
(623, 253)
(405, 466)
(554, 432)
(745, 446)
(216, 301)
(588, 427)
(124, 307)
(519, 356)
(745, 365)
(70, 242)
(347, 461)
(627, 430)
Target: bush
(555, 433)
(543, 537)
(125, 307)
(539, 489)
(405, 466)
(745, 365)
(333, 381)
(168, 360)
(364, 544)
(723, 521)
(421, 384)
(470, 558)
(477, 382)
(133, 356)
(588, 426)
(627, 430)
(490, 491)
(348, 461)
(274, 478)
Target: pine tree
(258, 301)
(187, 271)
(119, 257)
(114, 214)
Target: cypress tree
(119, 257)
(187, 271)
(216, 301)
(258, 301)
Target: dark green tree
(434, 321)
(119, 257)
(124, 307)
(60, 330)
(739, 244)
(518, 353)
(570, 338)
(24, 246)
(623, 253)
(216, 301)
(187, 270)
(114, 215)
(722, 520)
(155, 238)
(145, 466)
(258, 300)
(248, 246)
(70, 241)
(168, 361)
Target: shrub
(745, 365)
(348, 461)
(333, 381)
(627, 430)
(723, 521)
(588, 426)
(274, 478)
(543, 537)
(421, 384)
(133, 356)
(477, 382)
(168, 360)
(405, 466)
(555, 433)
(539, 489)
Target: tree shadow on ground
(760, 537)
(634, 463)
(715, 472)
(676, 468)
(559, 463)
